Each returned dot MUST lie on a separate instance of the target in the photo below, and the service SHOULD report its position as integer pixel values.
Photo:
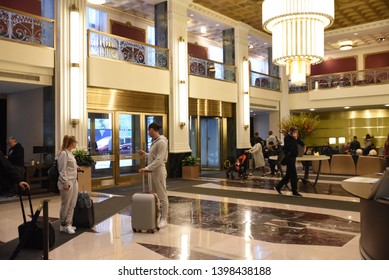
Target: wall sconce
(246, 75)
(246, 110)
(182, 84)
(332, 140)
(246, 96)
(74, 66)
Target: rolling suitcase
(145, 210)
(31, 233)
(84, 212)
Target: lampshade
(297, 28)
(346, 45)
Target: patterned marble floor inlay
(262, 223)
(175, 253)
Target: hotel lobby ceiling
(363, 22)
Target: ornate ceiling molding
(212, 14)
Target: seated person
(274, 151)
(12, 174)
(238, 166)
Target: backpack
(54, 175)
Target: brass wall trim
(120, 100)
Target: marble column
(241, 52)
(178, 132)
(63, 124)
(274, 70)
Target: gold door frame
(116, 178)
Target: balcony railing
(211, 69)
(265, 81)
(346, 79)
(120, 48)
(26, 28)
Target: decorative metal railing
(26, 28)
(346, 79)
(120, 48)
(265, 81)
(211, 69)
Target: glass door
(129, 135)
(100, 146)
(148, 120)
(210, 143)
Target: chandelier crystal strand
(297, 28)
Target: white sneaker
(162, 223)
(63, 228)
(68, 229)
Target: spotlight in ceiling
(346, 45)
(203, 29)
(347, 107)
(381, 39)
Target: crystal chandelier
(298, 33)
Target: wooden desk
(37, 174)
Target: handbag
(53, 173)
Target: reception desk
(373, 191)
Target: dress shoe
(278, 190)
(296, 194)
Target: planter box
(85, 179)
(190, 171)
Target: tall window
(216, 54)
(151, 40)
(96, 20)
(259, 65)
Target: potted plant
(190, 167)
(85, 162)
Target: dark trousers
(290, 175)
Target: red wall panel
(197, 51)
(376, 60)
(27, 6)
(128, 31)
(345, 64)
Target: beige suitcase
(145, 211)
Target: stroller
(240, 166)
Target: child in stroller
(240, 166)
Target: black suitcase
(31, 233)
(84, 212)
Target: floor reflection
(262, 223)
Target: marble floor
(205, 227)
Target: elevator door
(210, 143)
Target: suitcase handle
(148, 180)
(22, 205)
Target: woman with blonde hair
(67, 183)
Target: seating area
(340, 164)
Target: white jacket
(157, 157)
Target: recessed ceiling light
(312, 109)
(265, 43)
(386, 105)
(356, 33)
(346, 45)
(203, 29)
(217, 24)
(381, 39)
(251, 46)
(192, 15)
(347, 107)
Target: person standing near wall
(67, 184)
(157, 158)
(10, 171)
